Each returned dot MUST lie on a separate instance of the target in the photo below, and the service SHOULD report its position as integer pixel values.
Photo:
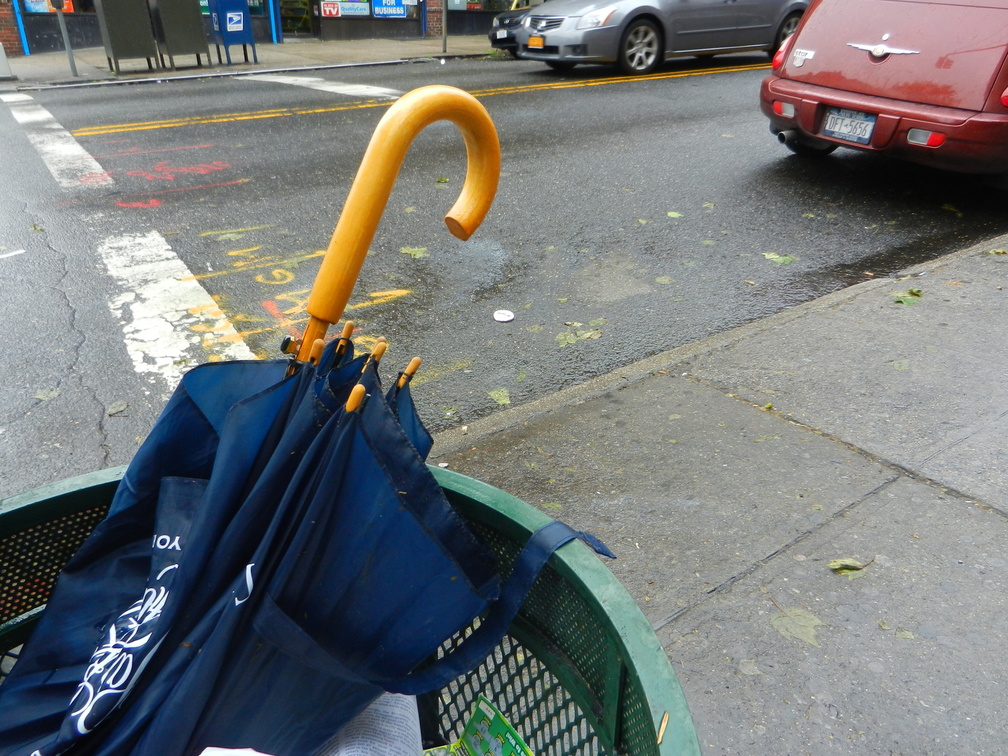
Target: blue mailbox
(232, 25)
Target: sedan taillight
(925, 138)
(785, 109)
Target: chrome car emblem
(798, 56)
(881, 49)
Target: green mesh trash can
(580, 671)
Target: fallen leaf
(502, 396)
(846, 564)
(642, 221)
(566, 338)
(900, 364)
(708, 205)
(779, 259)
(597, 322)
(808, 215)
(797, 624)
(116, 408)
(409, 210)
(998, 252)
(952, 209)
(748, 667)
(674, 214)
(908, 297)
(904, 634)
(46, 394)
(852, 568)
(665, 280)
(415, 252)
(442, 180)
(37, 227)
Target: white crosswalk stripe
(69, 163)
(169, 321)
(335, 87)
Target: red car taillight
(781, 54)
(1004, 97)
(925, 138)
(785, 109)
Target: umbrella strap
(495, 624)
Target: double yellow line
(175, 123)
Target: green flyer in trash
(486, 733)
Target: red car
(921, 80)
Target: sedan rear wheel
(640, 48)
(787, 28)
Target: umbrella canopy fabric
(222, 425)
(335, 565)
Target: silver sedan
(638, 35)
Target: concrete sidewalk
(53, 69)
(728, 474)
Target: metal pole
(66, 39)
(444, 26)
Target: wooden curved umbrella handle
(372, 186)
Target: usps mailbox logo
(235, 21)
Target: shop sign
(43, 6)
(355, 8)
(330, 9)
(389, 9)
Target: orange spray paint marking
(148, 203)
(271, 307)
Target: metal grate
(545, 23)
(529, 696)
(31, 559)
(555, 695)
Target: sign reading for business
(389, 9)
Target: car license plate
(536, 43)
(501, 33)
(849, 125)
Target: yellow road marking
(289, 112)
(262, 262)
(234, 230)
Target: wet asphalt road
(632, 216)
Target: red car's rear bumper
(974, 142)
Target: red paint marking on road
(165, 172)
(271, 307)
(163, 191)
(137, 151)
(148, 203)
